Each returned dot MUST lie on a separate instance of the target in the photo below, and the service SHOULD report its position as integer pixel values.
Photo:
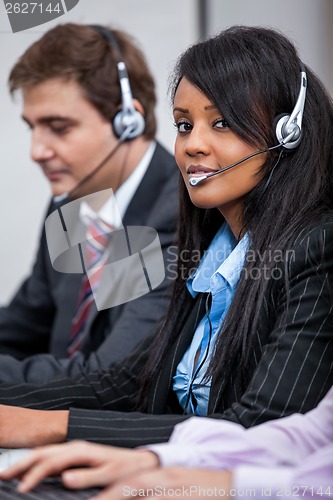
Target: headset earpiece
(288, 128)
(128, 123)
(281, 132)
(134, 122)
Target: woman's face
(205, 144)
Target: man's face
(69, 136)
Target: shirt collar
(224, 257)
(128, 188)
(108, 213)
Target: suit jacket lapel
(159, 171)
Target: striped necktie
(98, 237)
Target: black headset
(288, 128)
(128, 123)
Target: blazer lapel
(159, 171)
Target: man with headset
(89, 100)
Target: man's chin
(59, 190)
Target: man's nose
(41, 149)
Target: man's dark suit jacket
(292, 358)
(38, 320)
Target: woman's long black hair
(252, 75)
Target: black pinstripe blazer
(293, 364)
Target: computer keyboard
(50, 489)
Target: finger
(35, 475)
(17, 469)
(52, 463)
(27, 462)
(86, 478)
(103, 474)
(41, 453)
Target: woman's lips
(198, 170)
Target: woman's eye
(221, 123)
(183, 127)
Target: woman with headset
(248, 334)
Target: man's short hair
(80, 53)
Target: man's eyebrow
(50, 118)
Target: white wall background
(163, 29)
(308, 23)
(24, 192)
